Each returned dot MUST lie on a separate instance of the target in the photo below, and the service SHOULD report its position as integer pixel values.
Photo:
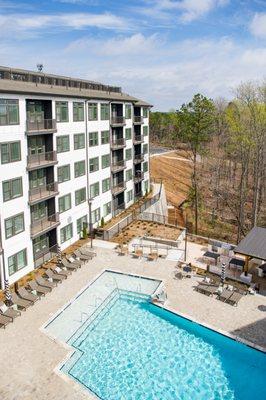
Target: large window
(107, 209)
(128, 111)
(79, 141)
(10, 152)
(78, 111)
(37, 178)
(105, 185)
(81, 224)
(145, 166)
(63, 173)
(61, 109)
(95, 215)
(39, 211)
(93, 139)
(128, 154)
(93, 111)
(79, 167)
(145, 149)
(105, 110)
(128, 133)
(9, 112)
(94, 189)
(80, 196)
(128, 175)
(94, 164)
(145, 130)
(64, 203)
(14, 225)
(62, 143)
(17, 261)
(66, 233)
(105, 161)
(129, 196)
(40, 244)
(105, 137)
(12, 189)
(145, 112)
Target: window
(145, 112)
(10, 152)
(78, 111)
(9, 112)
(12, 189)
(64, 203)
(66, 233)
(146, 186)
(105, 185)
(128, 154)
(93, 111)
(40, 244)
(80, 196)
(93, 139)
(145, 148)
(79, 168)
(17, 261)
(79, 141)
(37, 178)
(106, 160)
(128, 175)
(39, 211)
(128, 133)
(61, 110)
(63, 173)
(94, 189)
(81, 224)
(105, 136)
(128, 111)
(104, 112)
(107, 209)
(14, 225)
(145, 166)
(129, 196)
(94, 164)
(145, 130)
(95, 215)
(62, 144)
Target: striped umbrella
(223, 273)
(7, 293)
(59, 255)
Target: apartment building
(72, 152)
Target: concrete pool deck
(29, 357)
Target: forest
(226, 143)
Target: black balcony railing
(42, 192)
(138, 158)
(41, 159)
(138, 119)
(44, 224)
(118, 143)
(117, 120)
(45, 255)
(118, 188)
(119, 208)
(118, 166)
(41, 125)
(138, 139)
(138, 177)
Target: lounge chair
(71, 264)
(81, 256)
(4, 321)
(202, 286)
(225, 295)
(41, 290)
(54, 277)
(234, 299)
(152, 256)
(122, 250)
(8, 311)
(21, 303)
(25, 295)
(45, 283)
(87, 252)
(138, 253)
(210, 290)
(61, 271)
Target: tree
(196, 122)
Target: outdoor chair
(21, 303)
(8, 311)
(62, 272)
(234, 298)
(152, 256)
(225, 295)
(71, 264)
(40, 290)
(25, 295)
(138, 253)
(54, 277)
(45, 283)
(85, 251)
(4, 321)
(81, 256)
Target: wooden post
(246, 265)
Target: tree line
(226, 142)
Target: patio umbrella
(8, 293)
(59, 255)
(223, 273)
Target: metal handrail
(43, 191)
(117, 119)
(138, 118)
(139, 176)
(116, 165)
(44, 223)
(118, 142)
(39, 158)
(138, 157)
(118, 187)
(42, 125)
(138, 138)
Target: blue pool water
(137, 351)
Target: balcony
(118, 143)
(42, 193)
(137, 139)
(138, 119)
(118, 120)
(43, 126)
(35, 161)
(118, 188)
(44, 225)
(45, 255)
(117, 166)
(119, 208)
(138, 158)
(138, 177)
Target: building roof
(37, 83)
(254, 244)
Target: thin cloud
(258, 25)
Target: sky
(162, 51)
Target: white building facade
(67, 147)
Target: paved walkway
(29, 357)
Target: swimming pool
(134, 350)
